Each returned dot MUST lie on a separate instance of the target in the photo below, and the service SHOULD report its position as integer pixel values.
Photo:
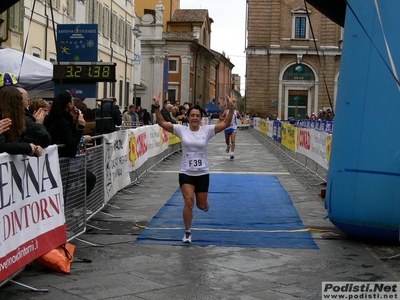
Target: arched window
(298, 72)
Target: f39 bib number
(196, 162)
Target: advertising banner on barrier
(116, 173)
(32, 220)
(313, 144)
(277, 131)
(173, 139)
(154, 146)
(138, 153)
(264, 126)
(289, 136)
(270, 127)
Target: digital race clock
(83, 71)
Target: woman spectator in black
(140, 113)
(12, 109)
(146, 117)
(66, 126)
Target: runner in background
(230, 132)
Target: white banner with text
(31, 209)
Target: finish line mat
(245, 211)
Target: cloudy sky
(228, 29)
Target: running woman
(194, 174)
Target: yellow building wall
(169, 7)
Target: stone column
(185, 79)
(158, 72)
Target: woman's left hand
(38, 150)
(5, 125)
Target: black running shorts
(200, 183)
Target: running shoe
(207, 207)
(187, 237)
(232, 155)
(228, 148)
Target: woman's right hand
(39, 115)
(81, 120)
(156, 99)
(232, 100)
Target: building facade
(31, 27)
(292, 59)
(196, 74)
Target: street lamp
(243, 99)
(136, 60)
(166, 72)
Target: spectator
(321, 115)
(131, 115)
(175, 111)
(36, 103)
(35, 131)
(146, 117)
(166, 112)
(108, 116)
(66, 125)
(13, 124)
(181, 116)
(82, 107)
(329, 115)
(313, 116)
(139, 112)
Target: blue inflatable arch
(363, 187)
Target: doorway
(297, 104)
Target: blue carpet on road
(245, 211)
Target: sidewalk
(123, 270)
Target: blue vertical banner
(77, 43)
(166, 73)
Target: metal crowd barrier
(152, 162)
(78, 208)
(73, 175)
(130, 125)
(298, 157)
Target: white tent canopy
(34, 74)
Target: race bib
(196, 162)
